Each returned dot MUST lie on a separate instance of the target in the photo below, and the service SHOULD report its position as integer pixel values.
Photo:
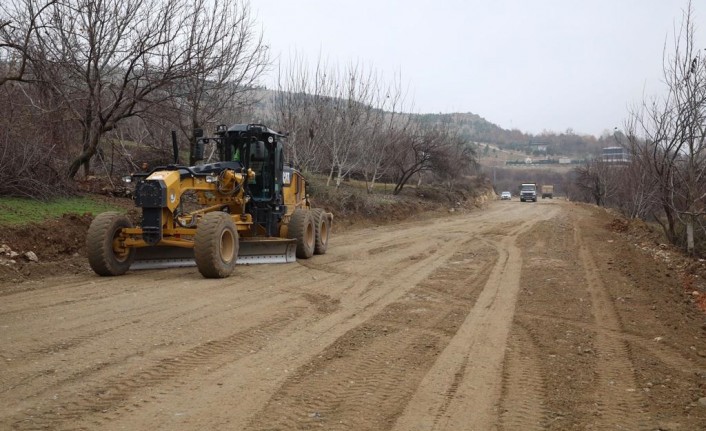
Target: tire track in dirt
(65, 378)
(114, 393)
(89, 335)
(523, 392)
(354, 303)
(436, 403)
(469, 371)
(666, 354)
(375, 367)
(18, 378)
(618, 404)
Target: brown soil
(60, 245)
(547, 315)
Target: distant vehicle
(528, 192)
(505, 196)
(547, 191)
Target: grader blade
(267, 250)
(163, 257)
(250, 252)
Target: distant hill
(477, 129)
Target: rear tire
(301, 228)
(216, 245)
(105, 255)
(322, 230)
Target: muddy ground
(524, 316)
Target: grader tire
(216, 245)
(322, 229)
(105, 255)
(301, 228)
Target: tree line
(96, 86)
(350, 122)
(665, 177)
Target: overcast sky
(532, 65)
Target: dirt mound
(650, 241)
(59, 246)
(52, 239)
(619, 225)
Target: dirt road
(518, 316)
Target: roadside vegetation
(22, 211)
(663, 179)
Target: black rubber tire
(322, 230)
(301, 227)
(216, 245)
(104, 259)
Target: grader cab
(247, 207)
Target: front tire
(216, 245)
(106, 255)
(301, 228)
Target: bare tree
(226, 57)
(637, 189)
(375, 157)
(351, 110)
(28, 152)
(298, 108)
(351, 122)
(415, 150)
(109, 60)
(105, 61)
(454, 160)
(17, 36)
(673, 131)
(597, 180)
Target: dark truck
(547, 191)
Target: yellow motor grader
(246, 207)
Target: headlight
(211, 179)
(127, 179)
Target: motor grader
(247, 207)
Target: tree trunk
(671, 229)
(84, 159)
(339, 178)
(330, 177)
(402, 181)
(690, 234)
(371, 186)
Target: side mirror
(199, 148)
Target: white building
(615, 155)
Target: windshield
(527, 188)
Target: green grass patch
(21, 211)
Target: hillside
(509, 144)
